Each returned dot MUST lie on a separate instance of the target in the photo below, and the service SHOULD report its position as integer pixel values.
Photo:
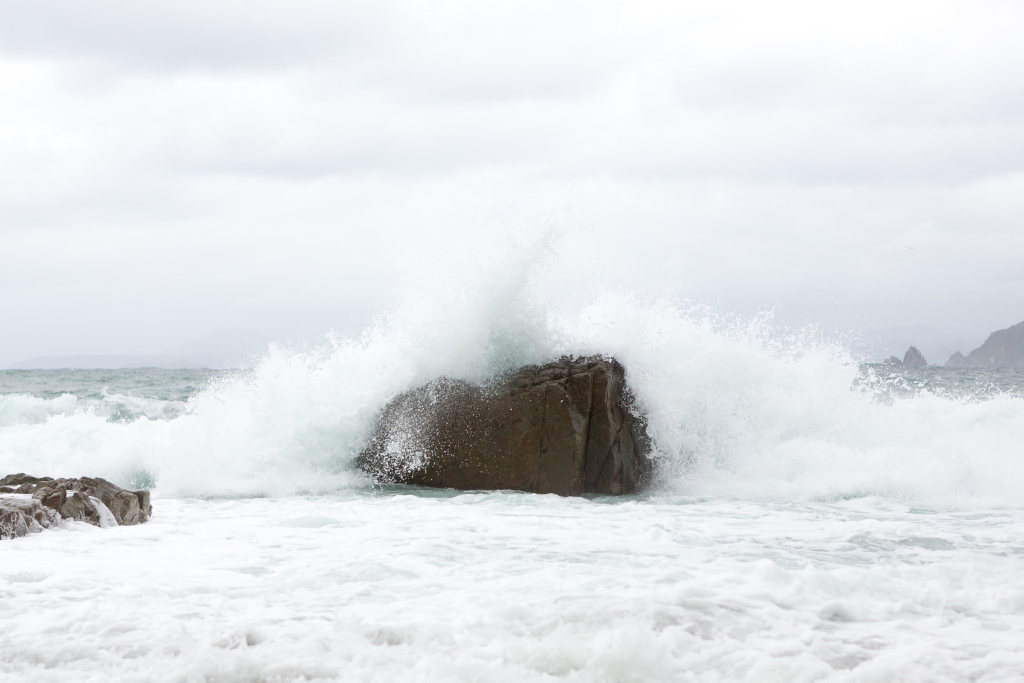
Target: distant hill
(1003, 348)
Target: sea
(813, 518)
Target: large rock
(87, 499)
(565, 428)
(957, 360)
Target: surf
(735, 407)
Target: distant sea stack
(37, 503)
(914, 358)
(957, 360)
(566, 427)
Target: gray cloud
(171, 169)
(170, 36)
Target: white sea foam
(19, 409)
(514, 587)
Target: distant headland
(1002, 349)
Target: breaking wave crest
(735, 408)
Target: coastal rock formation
(914, 358)
(1003, 348)
(96, 501)
(957, 360)
(20, 515)
(564, 427)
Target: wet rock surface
(20, 515)
(86, 499)
(564, 427)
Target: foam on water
(514, 587)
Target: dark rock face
(914, 358)
(957, 360)
(563, 428)
(22, 515)
(893, 360)
(1003, 348)
(95, 501)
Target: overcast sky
(181, 175)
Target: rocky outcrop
(1003, 348)
(565, 427)
(20, 515)
(914, 358)
(96, 501)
